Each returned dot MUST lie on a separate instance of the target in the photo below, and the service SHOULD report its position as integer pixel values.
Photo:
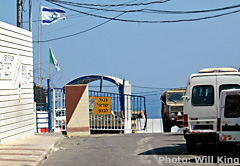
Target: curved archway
(90, 78)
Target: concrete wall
(153, 126)
(16, 83)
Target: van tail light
(218, 124)
(185, 120)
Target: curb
(47, 153)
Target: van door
(201, 107)
(201, 103)
(230, 117)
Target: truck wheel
(191, 145)
(166, 125)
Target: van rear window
(232, 106)
(228, 86)
(203, 95)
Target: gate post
(49, 106)
(54, 109)
(77, 110)
(125, 104)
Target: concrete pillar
(127, 108)
(77, 110)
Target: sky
(148, 55)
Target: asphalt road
(137, 149)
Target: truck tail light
(185, 120)
(218, 124)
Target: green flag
(53, 60)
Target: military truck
(172, 108)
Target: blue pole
(49, 106)
(121, 92)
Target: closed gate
(59, 110)
(122, 107)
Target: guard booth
(108, 112)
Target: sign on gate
(100, 105)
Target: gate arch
(123, 89)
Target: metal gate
(40, 95)
(59, 110)
(124, 108)
(41, 118)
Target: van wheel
(166, 125)
(191, 145)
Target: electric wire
(156, 11)
(112, 5)
(145, 87)
(81, 31)
(147, 21)
(140, 21)
(110, 19)
(77, 32)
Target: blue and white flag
(52, 15)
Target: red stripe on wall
(77, 129)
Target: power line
(77, 32)
(147, 21)
(80, 5)
(145, 87)
(81, 31)
(154, 94)
(149, 92)
(138, 21)
(150, 101)
(145, 10)
(70, 16)
(112, 5)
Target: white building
(16, 83)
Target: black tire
(166, 125)
(191, 145)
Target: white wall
(153, 126)
(16, 83)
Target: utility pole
(30, 15)
(19, 13)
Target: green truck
(172, 108)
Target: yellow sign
(100, 105)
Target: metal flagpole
(19, 13)
(30, 15)
(39, 27)
(41, 47)
(50, 76)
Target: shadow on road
(177, 149)
(203, 154)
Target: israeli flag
(52, 15)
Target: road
(137, 149)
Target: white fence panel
(153, 126)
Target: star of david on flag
(52, 15)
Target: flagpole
(39, 27)
(41, 48)
(50, 75)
